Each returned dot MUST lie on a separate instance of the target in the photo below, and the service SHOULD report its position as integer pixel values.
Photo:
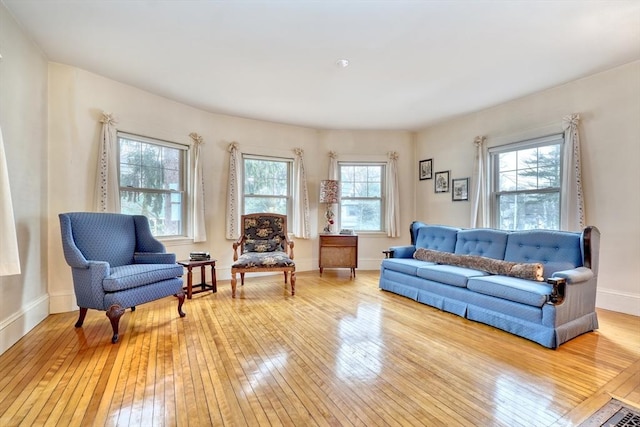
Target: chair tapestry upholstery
(263, 246)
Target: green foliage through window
(361, 196)
(266, 185)
(152, 182)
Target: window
(361, 196)
(526, 184)
(267, 184)
(152, 182)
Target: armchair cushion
(263, 260)
(132, 276)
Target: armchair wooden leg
(83, 313)
(285, 277)
(241, 279)
(293, 283)
(180, 296)
(233, 284)
(114, 314)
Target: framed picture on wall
(425, 169)
(459, 189)
(442, 182)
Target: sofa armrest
(87, 283)
(575, 275)
(154, 258)
(402, 251)
(560, 279)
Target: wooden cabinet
(339, 251)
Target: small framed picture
(442, 182)
(459, 189)
(425, 169)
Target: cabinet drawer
(338, 240)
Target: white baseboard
(62, 302)
(18, 325)
(622, 302)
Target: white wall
(609, 107)
(23, 119)
(76, 100)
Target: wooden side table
(204, 286)
(339, 251)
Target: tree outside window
(526, 185)
(152, 177)
(361, 196)
(267, 185)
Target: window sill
(177, 241)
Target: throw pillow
(529, 271)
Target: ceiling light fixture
(342, 63)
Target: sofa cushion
(555, 250)
(449, 274)
(485, 242)
(531, 271)
(132, 276)
(404, 265)
(437, 237)
(511, 288)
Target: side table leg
(214, 282)
(203, 278)
(189, 283)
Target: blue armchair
(117, 263)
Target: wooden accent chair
(264, 247)
(117, 263)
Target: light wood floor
(341, 352)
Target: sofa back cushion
(555, 250)
(482, 242)
(104, 236)
(437, 237)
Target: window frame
(184, 191)
(493, 174)
(383, 195)
(289, 193)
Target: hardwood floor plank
(339, 353)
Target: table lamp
(329, 195)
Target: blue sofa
(548, 312)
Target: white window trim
(383, 194)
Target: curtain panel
(301, 222)
(392, 215)
(198, 208)
(479, 187)
(9, 254)
(232, 230)
(572, 200)
(107, 187)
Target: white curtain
(199, 227)
(107, 187)
(479, 187)
(572, 203)
(9, 255)
(333, 166)
(301, 227)
(233, 194)
(393, 196)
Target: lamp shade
(329, 191)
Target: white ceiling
(412, 63)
